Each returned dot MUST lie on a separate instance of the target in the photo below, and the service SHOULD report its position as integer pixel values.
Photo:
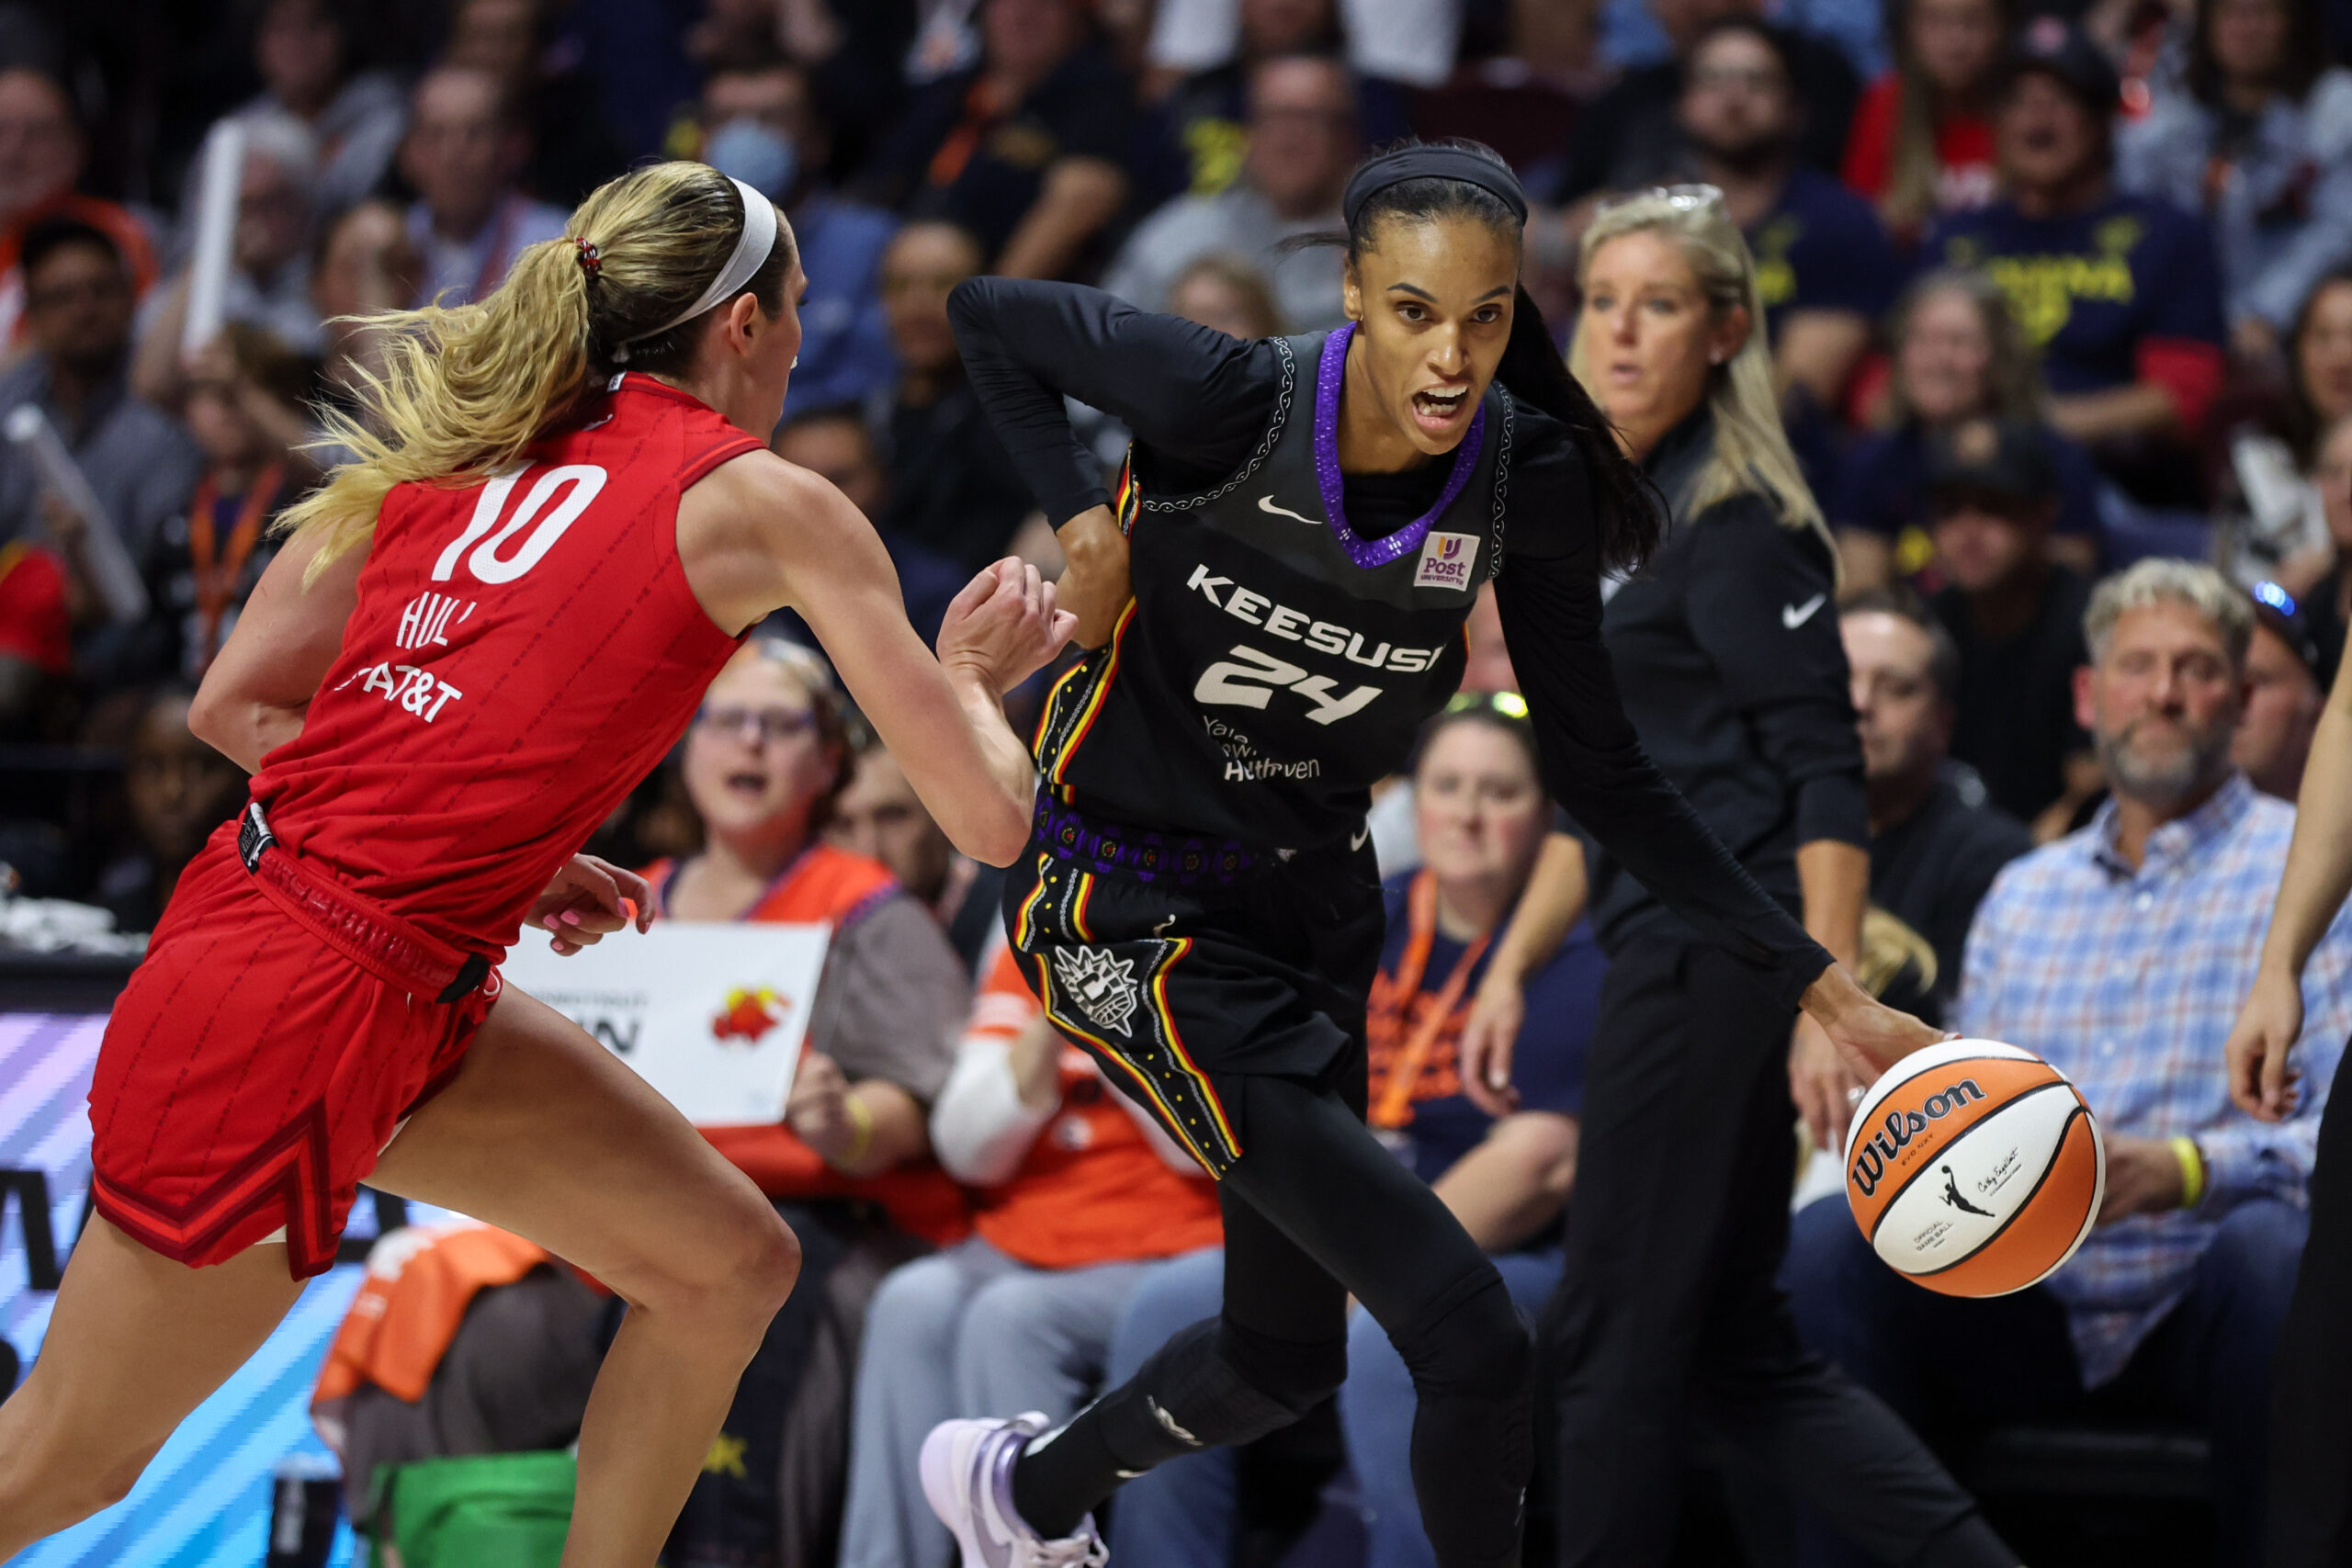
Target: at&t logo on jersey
(1446, 560)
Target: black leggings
(1316, 1211)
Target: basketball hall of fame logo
(1100, 984)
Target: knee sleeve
(1217, 1383)
(1473, 1343)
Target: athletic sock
(1062, 1476)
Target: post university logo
(1446, 560)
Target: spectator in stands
(2017, 616)
(466, 145)
(139, 463)
(1302, 143)
(1958, 356)
(1026, 148)
(762, 124)
(1227, 294)
(571, 150)
(2285, 688)
(244, 407)
(42, 153)
(1823, 266)
(1503, 1166)
(269, 278)
(305, 53)
(2172, 1305)
(879, 816)
(367, 265)
(2118, 292)
(955, 491)
(1922, 142)
(2273, 513)
(1523, 97)
(1197, 78)
(1079, 1193)
(2328, 605)
(1936, 840)
(1628, 138)
(178, 790)
(35, 638)
(2257, 134)
(849, 1166)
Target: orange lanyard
(1395, 1107)
(216, 576)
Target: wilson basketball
(1974, 1167)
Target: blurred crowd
(2059, 304)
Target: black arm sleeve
(1596, 770)
(1190, 393)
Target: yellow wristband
(862, 1124)
(2192, 1170)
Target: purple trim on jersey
(1370, 552)
(1069, 835)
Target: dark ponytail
(1470, 180)
(1627, 510)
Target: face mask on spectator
(759, 155)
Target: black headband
(1433, 163)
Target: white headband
(752, 248)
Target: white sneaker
(967, 1478)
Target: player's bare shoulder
(752, 530)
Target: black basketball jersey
(1275, 664)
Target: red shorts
(261, 1058)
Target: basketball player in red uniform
(480, 635)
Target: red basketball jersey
(522, 652)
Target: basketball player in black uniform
(1304, 523)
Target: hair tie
(592, 261)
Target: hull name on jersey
(424, 622)
(1244, 763)
(419, 691)
(1446, 560)
(1292, 625)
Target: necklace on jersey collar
(1369, 553)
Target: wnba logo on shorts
(1446, 560)
(1873, 1156)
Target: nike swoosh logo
(1266, 503)
(1356, 840)
(1794, 616)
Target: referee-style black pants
(1668, 1327)
(2310, 1427)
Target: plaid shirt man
(2128, 982)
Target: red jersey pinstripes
(523, 651)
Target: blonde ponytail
(465, 391)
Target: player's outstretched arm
(253, 697)
(2319, 873)
(758, 535)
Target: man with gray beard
(2120, 954)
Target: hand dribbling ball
(1974, 1169)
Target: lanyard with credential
(215, 573)
(1395, 1106)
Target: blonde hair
(1889, 947)
(465, 391)
(1751, 451)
